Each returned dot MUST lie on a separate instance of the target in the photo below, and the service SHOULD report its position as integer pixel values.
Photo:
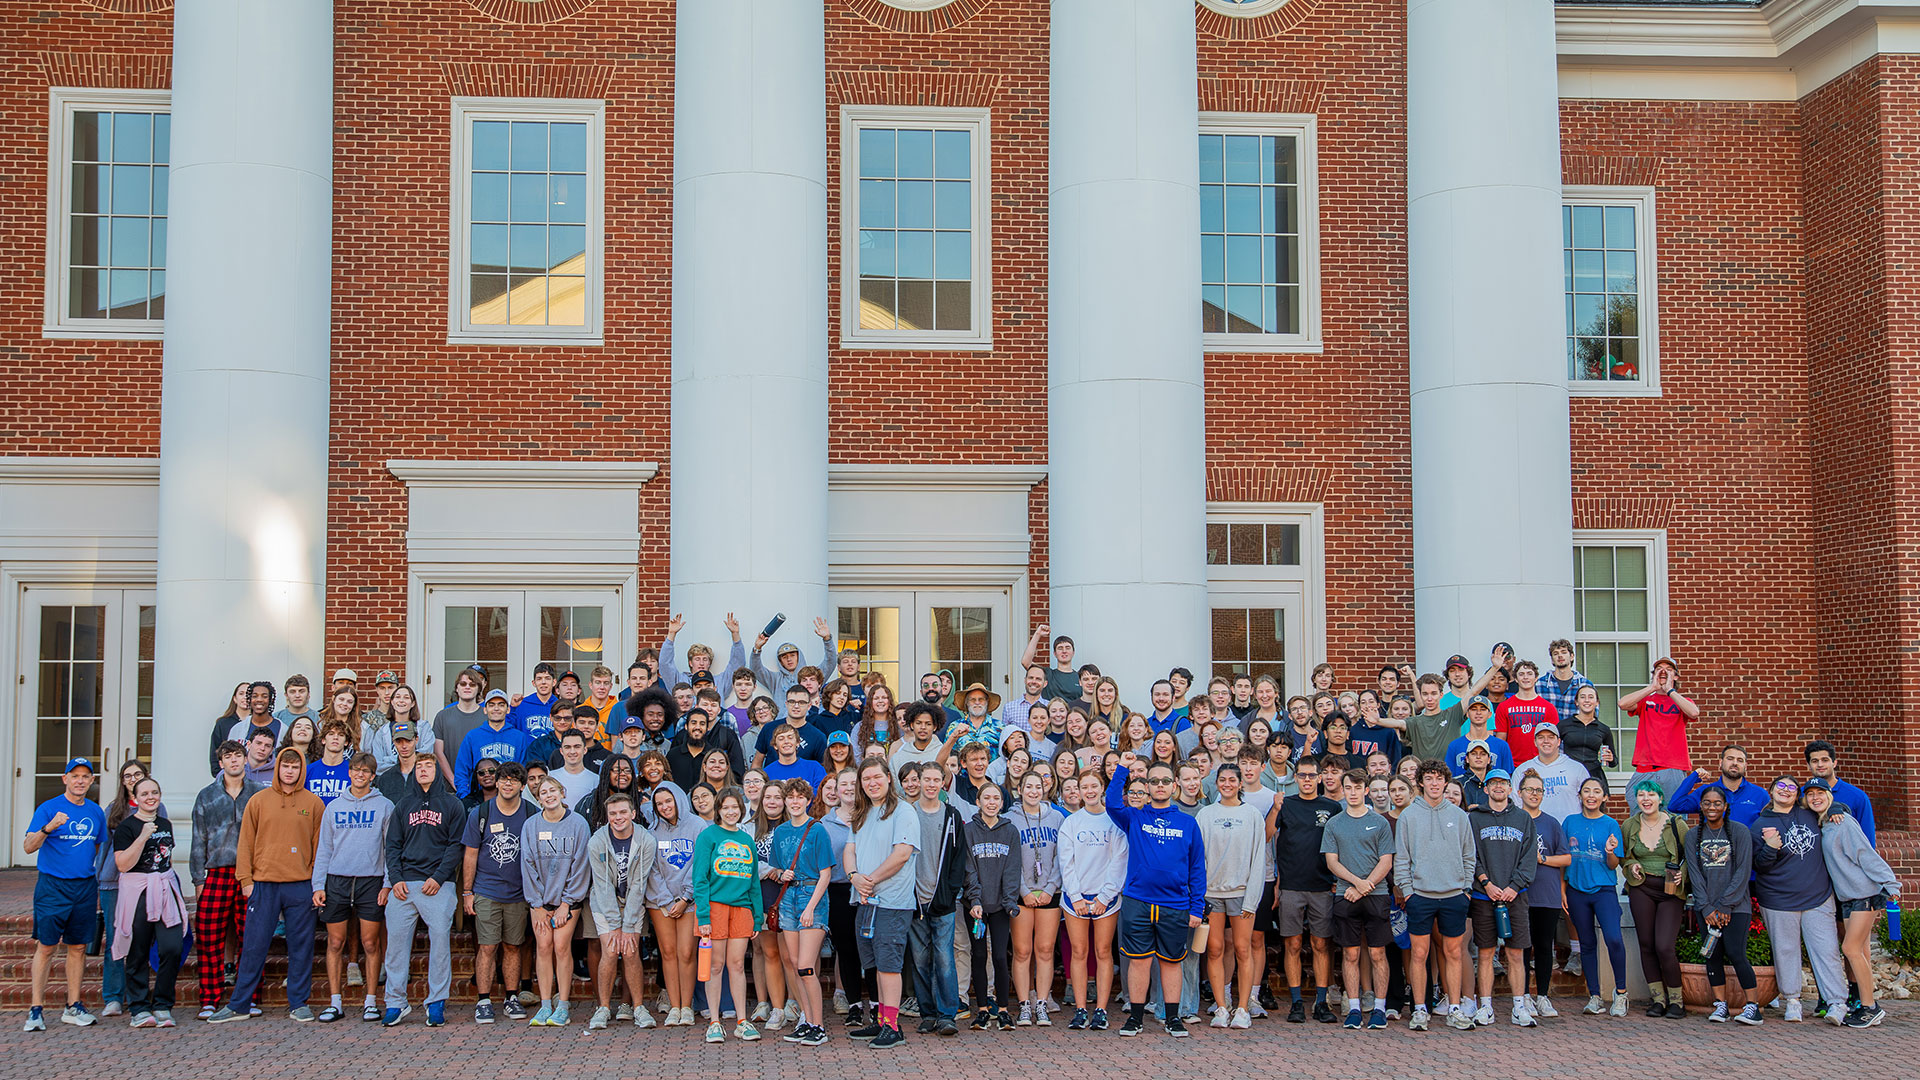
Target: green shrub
(1908, 947)
(1759, 946)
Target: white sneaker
(1254, 1008)
(622, 1011)
(840, 1002)
(1619, 1003)
(1484, 1017)
(641, 1017)
(1543, 1006)
(1241, 1019)
(775, 1018)
(1220, 1017)
(111, 1008)
(1594, 1006)
(354, 978)
(1460, 1020)
(1794, 1011)
(1522, 1016)
(761, 1012)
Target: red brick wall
(1341, 416)
(1859, 220)
(66, 397)
(399, 389)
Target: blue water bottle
(1893, 918)
(1502, 921)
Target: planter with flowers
(1693, 969)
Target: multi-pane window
(477, 635)
(527, 225)
(107, 254)
(1607, 262)
(571, 638)
(1253, 544)
(960, 640)
(873, 633)
(1257, 232)
(1250, 641)
(915, 226)
(1617, 595)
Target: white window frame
(977, 121)
(467, 110)
(1248, 9)
(1655, 543)
(63, 102)
(1646, 265)
(1304, 127)
(917, 5)
(1307, 581)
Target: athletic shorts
(65, 910)
(1365, 923)
(726, 922)
(1151, 930)
(1854, 907)
(1263, 913)
(1486, 933)
(1448, 913)
(501, 922)
(1297, 910)
(1231, 906)
(355, 896)
(1066, 909)
(882, 934)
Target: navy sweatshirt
(1792, 877)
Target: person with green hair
(1653, 858)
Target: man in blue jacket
(1744, 800)
(1824, 760)
(1165, 895)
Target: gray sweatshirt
(609, 914)
(672, 875)
(216, 827)
(1435, 845)
(353, 838)
(1858, 871)
(1720, 866)
(1235, 838)
(1039, 848)
(553, 860)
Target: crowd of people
(723, 843)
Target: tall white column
(749, 458)
(244, 397)
(1127, 451)
(1492, 505)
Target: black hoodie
(683, 765)
(423, 836)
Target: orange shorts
(728, 922)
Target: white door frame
(915, 603)
(523, 629)
(1289, 597)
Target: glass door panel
(1259, 635)
(872, 631)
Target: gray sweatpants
(437, 912)
(1822, 935)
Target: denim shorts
(794, 901)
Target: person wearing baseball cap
(1479, 712)
(65, 835)
(496, 739)
(1660, 744)
(1506, 855)
(345, 679)
(787, 661)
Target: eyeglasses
(484, 773)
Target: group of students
(959, 843)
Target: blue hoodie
(508, 744)
(1166, 861)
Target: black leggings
(999, 927)
(858, 985)
(1398, 992)
(1733, 947)
(1654, 907)
(1545, 924)
(151, 988)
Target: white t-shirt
(1562, 778)
(578, 786)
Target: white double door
(509, 631)
(85, 690)
(905, 633)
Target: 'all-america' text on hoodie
(423, 836)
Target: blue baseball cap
(1481, 700)
(78, 763)
(1498, 774)
(839, 738)
(630, 723)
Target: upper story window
(1608, 239)
(526, 209)
(915, 256)
(107, 213)
(1259, 234)
(1244, 8)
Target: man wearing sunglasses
(1165, 895)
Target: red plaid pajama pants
(218, 908)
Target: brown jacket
(279, 830)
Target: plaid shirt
(1561, 694)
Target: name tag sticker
(496, 827)
(545, 835)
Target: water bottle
(1893, 918)
(1712, 942)
(1502, 921)
(979, 929)
(773, 624)
(706, 958)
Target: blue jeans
(935, 982)
(1583, 909)
(113, 973)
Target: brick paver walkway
(272, 1048)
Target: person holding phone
(1660, 745)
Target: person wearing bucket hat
(980, 713)
(1660, 743)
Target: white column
(1127, 451)
(1492, 516)
(244, 395)
(749, 460)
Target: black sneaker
(1098, 1021)
(856, 1016)
(1175, 1028)
(1297, 1014)
(871, 1031)
(887, 1039)
(927, 1026)
(1656, 1009)
(980, 1014)
(1079, 1021)
(947, 1028)
(1003, 1020)
(1132, 1027)
(1324, 1013)
(1676, 1010)
(1865, 1016)
(1267, 1000)
(816, 1036)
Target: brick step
(18, 967)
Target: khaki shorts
(496, 922)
